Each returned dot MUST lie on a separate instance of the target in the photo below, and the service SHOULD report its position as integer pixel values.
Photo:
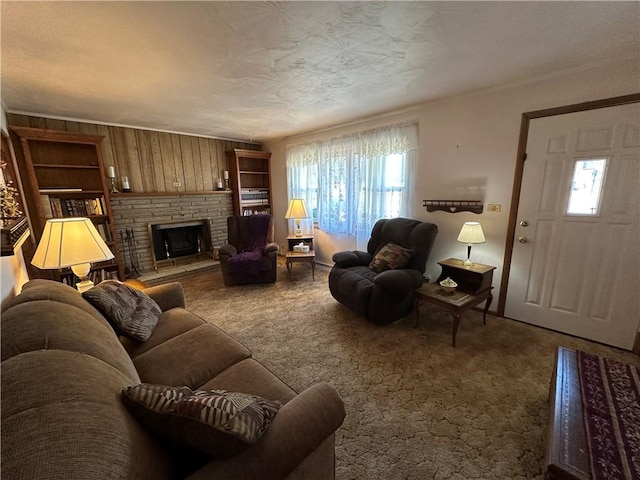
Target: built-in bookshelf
(63, 176)
(250, 177)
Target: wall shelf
(454, 206)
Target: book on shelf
(103, 230)
(254, 196)
(248, 211)
(55, 207)
(46, 206)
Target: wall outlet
(177, 184)
(494, 207)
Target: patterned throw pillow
(216, 422)
(130, 310)
(390, 257)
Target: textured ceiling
(253, 70)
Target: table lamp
(471, 233)
(297, 210)
(71, 242)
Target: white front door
(575, 265)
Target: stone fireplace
(134, 213)
(173, 241)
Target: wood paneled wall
(151, 160)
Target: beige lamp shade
(297, 210)
(71, 242)
(471, 233)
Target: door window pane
(586, 186)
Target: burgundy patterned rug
(611, 412)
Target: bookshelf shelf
(46, 165)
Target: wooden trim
(44, 134)
(517, 180)
(513, 212)
(168, 194)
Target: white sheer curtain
(353, 181)
(388, 157)
(302, 179)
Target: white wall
(467, 151)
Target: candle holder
(125, 184)
(114, 187)
(226, 184)
(111, 174)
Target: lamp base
(298, 233)
(467, 263)
(84, 285)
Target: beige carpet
(416, 407)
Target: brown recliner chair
(251, 256)
(383, 297)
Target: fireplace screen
(173, 241)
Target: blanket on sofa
(611, 407)
(249, 257)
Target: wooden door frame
(520, 159)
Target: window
(586, 186)
(351, 182)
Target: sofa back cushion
(63, 369)
(62, 417)
(49, 325)
(57, 292)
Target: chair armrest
(300, 426)
(400, 280)
(167, 296)
(354, 258)
(271, 247)
(227, 250)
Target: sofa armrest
(167, 296)
(227, 251)
(271, 247)
(401, 280)
(354, 258)
(300, 426)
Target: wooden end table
(309, 257)
(456, 302)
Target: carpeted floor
(416, 407)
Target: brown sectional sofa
(63, 369)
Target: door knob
(524, 223)
(522, 239)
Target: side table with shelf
(474, 287)
(308, 257)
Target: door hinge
(524, 157)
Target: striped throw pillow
(216, 422)
(131, 311)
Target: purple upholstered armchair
(251, 256)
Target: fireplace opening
(173, 241)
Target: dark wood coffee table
(456, 303)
